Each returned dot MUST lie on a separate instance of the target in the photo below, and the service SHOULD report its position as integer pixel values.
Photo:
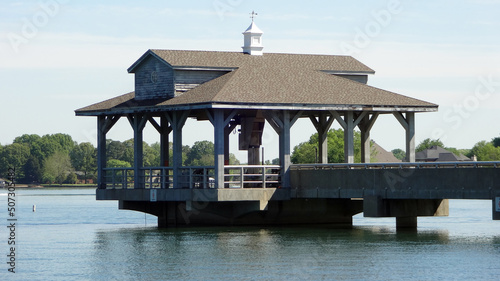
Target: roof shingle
(277, 79)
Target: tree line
(57, 158)
(483, 150)
(307, 152)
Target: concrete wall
(296, 211)
(425, 183)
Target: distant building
(2, 183)
(382, 155)
(439, 154)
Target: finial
(253, 14)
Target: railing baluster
(263, 177)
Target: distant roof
(295, 80)
(382, 155)
(439, 154)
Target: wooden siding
(154, 79)
(186, 80)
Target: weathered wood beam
(349, 137)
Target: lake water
(71, 236)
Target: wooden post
(410, 137)
(323, 140)
(101, 152)
(164, 145)
(322, 126)
(282, 127)
(104, 124)
(219, 137)
(138, 122)
(285, 151)
(177, 121)
(408, 124)
(365, 127)
(349, 137)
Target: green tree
(27, 139)
(71, 178)
(114, 163)
(157, 150)
(151, 157)
(275, 161)
(399, 153)
(14, 156)
(84, 158)
(128, 152)
(485, 151)
(428, 143)
(233, 160)
(496, 142)
(306, 152)
(33, 172)
(200, 154)
(63, 142)
(115, 150)
(57, 167)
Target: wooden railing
(194, 177)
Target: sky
(60, 55)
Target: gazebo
(244, 89)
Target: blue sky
(60, 55)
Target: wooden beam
(219, 147)
(109, 122)
(365, 127)
(177, 120)
(322, 125)
(410, 137)
(359, 118)
(402, 120)
(349, 137)
(101, 152)
(339, 119)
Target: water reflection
(230, 253)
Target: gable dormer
(154, 78)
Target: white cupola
(253, 39)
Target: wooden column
(227, 131)
(101, 152)
(220, 123)
(349, 137)
(138, 122)
(219, 137)
(177, 120)
(164, 130)
(322, 125)
(164, 145)
(408, 124)
(282, 124)
(365, 127)
(410, 137)
(104, 124)
(285, 151)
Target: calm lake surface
(71, 236)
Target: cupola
(253, 39)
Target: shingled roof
(270, 80)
